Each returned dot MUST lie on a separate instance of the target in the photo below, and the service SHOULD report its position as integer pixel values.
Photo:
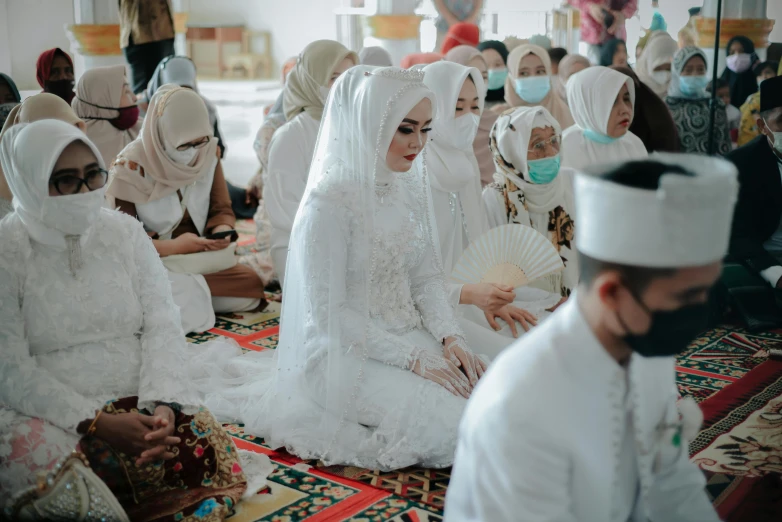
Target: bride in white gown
(372, 367)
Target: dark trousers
(238, 203)
(143, 60)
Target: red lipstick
(411, 157)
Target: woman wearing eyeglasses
(531, 189)
(171, 179)
(93, 357)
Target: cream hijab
(591, 94)
(552, 102)
(659, 50)
(175, 116)
(566, 71)
(42, 106)
(306, 88)
(103, 86)
(451, 169)
(548, 208)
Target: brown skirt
(238, 281)
(204, 480)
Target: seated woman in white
(460, 216)
(366, 370)
(93, 356)
(532, 190)
(602, 102)
(290, 152)
(106, 103)
(171, 179)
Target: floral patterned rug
(727, 371)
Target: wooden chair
(253, 65)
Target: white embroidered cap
(685, 222)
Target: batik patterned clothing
(691, 116)
(748, 128)
(203, 481)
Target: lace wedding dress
(365, 299)
(72, 342)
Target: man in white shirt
(577, 421)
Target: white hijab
(531, 204)
(453, 169)
(376, 56)
(659, 50)
(337, 213)
(591, 95)
(28, 153)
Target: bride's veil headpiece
(322, 352)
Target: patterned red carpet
(739, 448)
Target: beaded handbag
(69, 492)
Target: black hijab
(608, 50)
(495, 95)
(652, 121)
(741, 84)
(4, 78)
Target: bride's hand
(489, 297)
(454, 350)
(443, 372)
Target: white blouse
(290, 157)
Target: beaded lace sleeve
(164, 364)
(24, 385)
(328, 284)
(433, 298)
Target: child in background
(734, 114)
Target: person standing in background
(454, 11)
(146, 37)
(603, 20)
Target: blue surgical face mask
(693, 85)
(544, 170)
(598, 138)
(533, 89)
(497, 78)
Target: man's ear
(607, 286)
(761, 125)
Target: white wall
(293, 23)
(29, 27)
(774, 12)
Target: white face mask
(183, 157)
(324, 94)
(777, 145)
(662, 77)
(462, 132)
(74, 214)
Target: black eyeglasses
(199, 145)
(68, 185)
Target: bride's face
(410, 137)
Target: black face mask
(61, 88)
(670, 332)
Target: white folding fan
(512, 255)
